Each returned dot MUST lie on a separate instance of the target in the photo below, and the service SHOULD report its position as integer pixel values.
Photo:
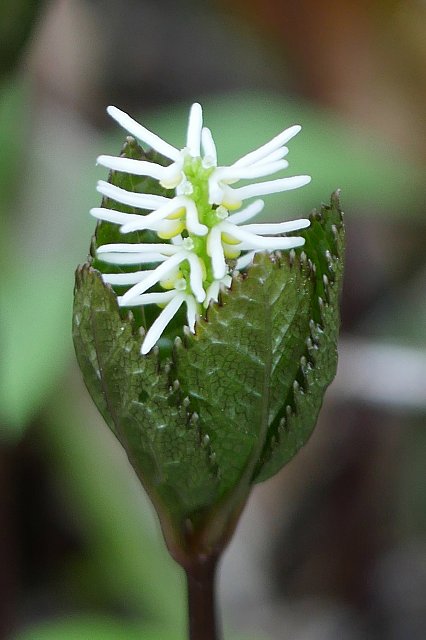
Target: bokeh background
(333, 547)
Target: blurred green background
(334, 546)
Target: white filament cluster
(198, 230)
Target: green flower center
(197, 176)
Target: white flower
(162, 210)
(202, 234)
(266, 160)
(228, 236)
(212, 293)
(173, 301)
(170, 256)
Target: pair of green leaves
(230, 405)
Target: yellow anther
(230, 252)
(171, 233)
(229, 239)
(232, 206)
(177, 214)
(170, 283)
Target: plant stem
(201, 599)
(8, 542)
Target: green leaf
(257, 368)
(315, 361)
(139, 402)
(242, 357)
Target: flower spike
(202, 228)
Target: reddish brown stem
(202, 621)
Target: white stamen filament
(263, 151)
(273, 157)
(215, 251)
(245, 260)
(263, 188)
(209, 147)
(160, 323)
(196, 276)
(141, 132)
(195, 124)
(248, 213)
(233, 174)
(172, 175)
(191, 313)
(162, 271)
(125, 278)
(110, 215)
(122, 247)
(213, 290)
(215, 191)
(212, 293)
(134, 167)
(192, 221)
(258, 243)
(131, 258)
(161, 297)
(253, 241)
(279, 227)
(138, 200)
(133, 222)
(144, 222)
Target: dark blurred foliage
(17, 19)
(334, 546)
